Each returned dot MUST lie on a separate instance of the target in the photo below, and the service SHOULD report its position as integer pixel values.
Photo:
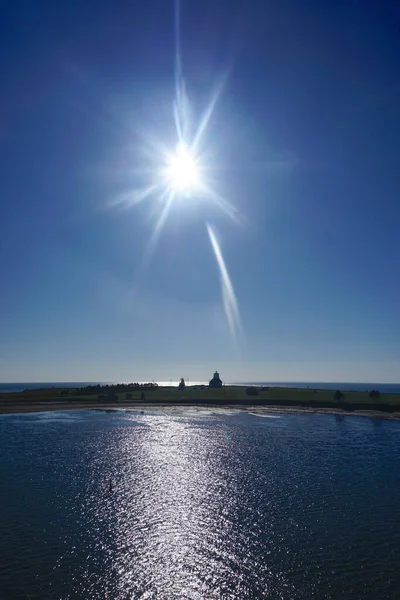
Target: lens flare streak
(158, 227)
(181, 100)
(208, 114)
(228, 293)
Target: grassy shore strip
(272, 398)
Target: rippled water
(204, 506)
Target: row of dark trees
(374, 395)
(114, 388)
(338, 396)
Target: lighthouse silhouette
(215, 382)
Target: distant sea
(384, 388)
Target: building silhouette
(215, 382)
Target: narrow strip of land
(255, 399)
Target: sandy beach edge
(7, 409)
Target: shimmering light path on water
(204, 506)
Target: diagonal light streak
(229, 300)
(168, 198)
(208, 113)
(135, 197)
(225, 205)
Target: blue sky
(303, 141)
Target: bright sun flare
(182, 171)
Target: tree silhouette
(252, 391)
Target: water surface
(205, 505)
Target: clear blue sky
(305, 141)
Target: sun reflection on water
(175, 516)
(176, 498)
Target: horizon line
(122, 382)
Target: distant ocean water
(19, 387)
(384, 388)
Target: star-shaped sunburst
(182, 173)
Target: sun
(182, 172)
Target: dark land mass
(281, 399)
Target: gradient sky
(304, 141)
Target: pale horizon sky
(303, 142)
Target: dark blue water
(384, 388)
(205, 505)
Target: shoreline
(7, 409)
